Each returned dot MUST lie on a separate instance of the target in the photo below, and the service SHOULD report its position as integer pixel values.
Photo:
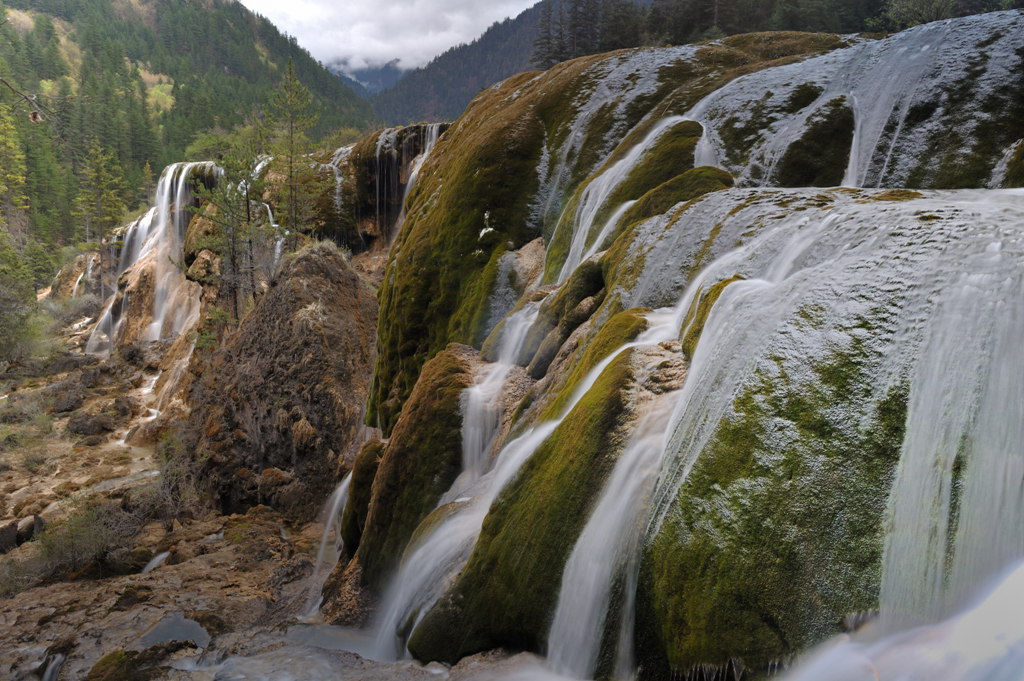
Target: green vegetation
(360, 493)
(776, 533)
(528, 534)
(691, 184)
(98, 94)
(422, 459)
(819, 158)
(698, 313)
(437, 288)
(613, 334)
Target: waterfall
(428, 567)
(895, 88)
(609, 539)
(482, 401)
(430, 135)
(597, 192)
(331, 544)
(999, 172)
(984, 642)
(158, 237)
(74, 289)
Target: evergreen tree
(100, 204)
(17, 299)
(544, 49)
(12, 167)
(244, 239)
(292, 117)
(620, 25)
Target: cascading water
(609, 540)
(438, 556)
(597, 192)
(431, 134)
(331, 544)
(896, 89)
(482, 406)
(158, 238)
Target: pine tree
(544, 51)
(99, 204)
(12, 167)
(291, 118)
(17, 299)
(243, 237)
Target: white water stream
(158, 237)
(331, 544)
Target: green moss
(435, 287)
(691, 184)
(1015, 169)
(364, 469)
(774, 537)
(422, 459)
(122, 665)
(506, 594)
(819, 158)
(556, 312)
(962, 152)
(698, 313)
(616, 332)
(897, 195)
(670, 156)
(486, 165)
(803, 96)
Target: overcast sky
(373, 32)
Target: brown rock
(287, 390)
(8, 537)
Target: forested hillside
(556, 30)
(442, 89)
(102, 94)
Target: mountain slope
(222, 59)
(442, 89)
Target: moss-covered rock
(360, 492)
(698, 313)
(506, 594)
(773, 538)
(691, 184)
(820, 157)
(476, 194)
(560, 314)
(419, 464)
(616, 332)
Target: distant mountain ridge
(441, 90)
(218, 59)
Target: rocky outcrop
(277, 411)
(414, 469)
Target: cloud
(360, 33)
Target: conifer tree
(12, 167)
(292, 116)
(100, 204)
(17, 299)
(544, 52)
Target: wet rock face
(419, 463)
(286, 391)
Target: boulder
(286, 391)
(90, 423)
(8, 537)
